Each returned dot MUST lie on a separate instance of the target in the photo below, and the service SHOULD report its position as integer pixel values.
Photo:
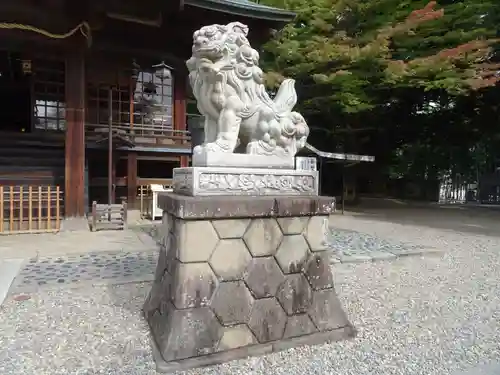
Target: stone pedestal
(212, 181)
(240, 276)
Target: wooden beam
(131, 178)
(75, 133)
(180, 91)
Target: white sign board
(305, 163)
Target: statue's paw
(198, 149)
(220, 145)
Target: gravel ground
(430, 314)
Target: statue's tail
(286, 98)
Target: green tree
(407, 81)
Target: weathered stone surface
(186, 333)
(292, 253)
(236, 337)
(232, 303)
(299, 325)
(326, 311)
(196, 240)
(159, 294)
(161, 266)
(263, 237)
(293, 225)
(193, 285)
(263, 276)
(230, 259)
(316, 232)
(317, 270)
(267, 320)
(226, 207)
(231, 228)
(295, 294)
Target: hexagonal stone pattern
(267, 320)
(263, 237)
(292, 225)
(263, 276)
(295, 294)
(231, 228)
(196, 240)
(299, 325)
(292, 253)
(317, 270)
(193, 285)
(326, 311)
(232, 303)
(316, 233)
(186, 333)
(236, 337)
(230, 259)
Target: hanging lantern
(26, 66)
(162, 71)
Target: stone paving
(108, 268)
(126, 265)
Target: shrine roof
(244, 8)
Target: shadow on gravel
(459, 218)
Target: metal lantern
(162, 71)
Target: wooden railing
(139, 134)
(30, 209)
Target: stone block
(218, 159)
(232, 228)
(299, 325)
(230, 259)
(295, 294)
(326, 311)
(236, 337)
(230, 284)
(213, 181)
(191, 332)
(267, 320)
(193, 285)
(263, 237)
(317, 270)
(263, 276)
(233, 207)
(292, 253)
(293, 225)
(196, 240)
(316, 233)
(232, 303)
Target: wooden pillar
(180, 90)
(131, 179)
(74, 202)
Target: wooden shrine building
(69, 70)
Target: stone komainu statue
(239, 114)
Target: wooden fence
(30, 209)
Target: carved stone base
(219, 159)
(230, 287)
(210, 181)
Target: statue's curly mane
(225, 49)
